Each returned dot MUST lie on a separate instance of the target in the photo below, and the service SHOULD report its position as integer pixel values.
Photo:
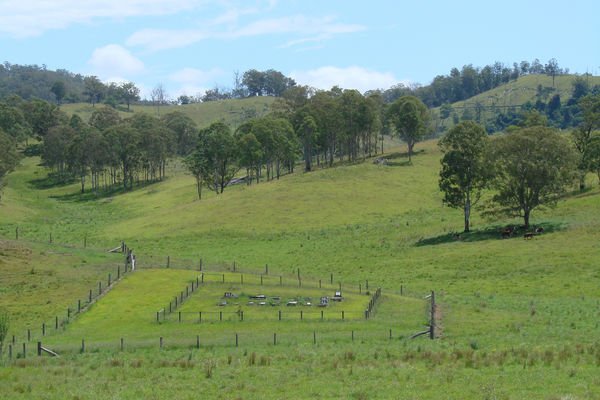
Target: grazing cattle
(456, 236)
(508, 232)
(528, 235)
(539, 230)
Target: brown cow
(528, 235)
(539, 230)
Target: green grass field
(515, 318)
(232, 112)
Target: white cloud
(347, 78)
(24, 18)
(114, 61)
(192, 75)
(162, 39)
(319, 29)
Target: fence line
(83, 304)
(232, 339)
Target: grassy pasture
(517, 318)
(232, 112)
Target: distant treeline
(470, 81)
(31, 81)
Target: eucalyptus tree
(410, 118)
(465, 170)
(104, 117)
(583, 135)
(533, 166)
(55, 149)
(9, 157)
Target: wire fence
(227, 340)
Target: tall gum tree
(411, 119)
(465, 170)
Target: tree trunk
(526, 218)
(467, 209)
(199, 184)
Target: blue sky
(190, 46)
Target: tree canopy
(410, 118)
(465, 170)
(533, 167)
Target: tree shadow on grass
(50, 181)
(492, 233)
(400, 155)
(104, 194)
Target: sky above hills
(192, 45)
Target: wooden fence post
(200, 269)
(17, 233)
(24, 351)
(122, 345)
(236, 340)
(280, 315)
(50, 237)
(242, 315)
(280, 280)
(39, 349)
(179, 316)
(319, 284)
(168, 261)
(84, 242)
(200, 316)
(197, 341)
(432, 317)
(99, 288)
(82, 346)
(367, 286)
(220, 315)
(233, 265)
(321, 315)
(68, 313)
(261, 280)
(300, 315)
(90, 296)
(10, 351)
(359, 288)
(390, 334)
(28, 335)
(274, 339)
(161, 342)
(108, 279)
(223, 278)
(118, 272)
(266, 269)
(314, 337)
(353, 336)
(331, 279)
(401, 290)
(79, 306)
(342, 315)
(158, 316)
(241, 279)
